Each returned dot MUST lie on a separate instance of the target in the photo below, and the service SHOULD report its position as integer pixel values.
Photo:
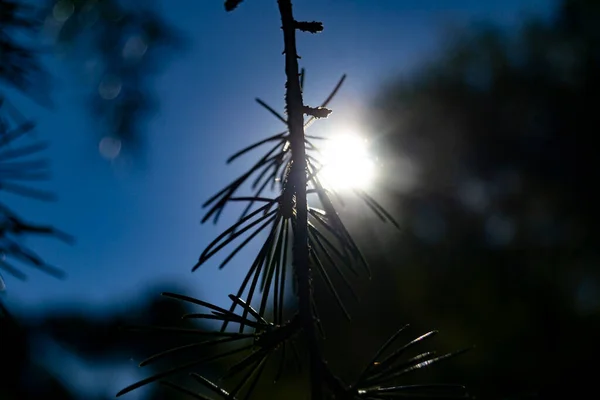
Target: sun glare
(346, 163)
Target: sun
(346, 163)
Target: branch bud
(312, 27)
(318, 112)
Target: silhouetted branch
(320, 244)
(256, 346)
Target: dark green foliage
(502, 127)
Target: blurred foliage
(17, 170)
(20, 64)
(20, 68)
(122, 44)
(100, 340)
(500, 231)
(126, 44)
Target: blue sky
(140, 226)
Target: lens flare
(346, 163)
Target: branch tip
(231, 5)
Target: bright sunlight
(346, 163)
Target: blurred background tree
(499, 241)
(123, 44)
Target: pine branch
(300, 257)
(256, 347)
(320, 244)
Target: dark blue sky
(137, 227)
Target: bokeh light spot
(134, 48)
(500, 230)
(109, 147)
(110, 87)
(63, 10)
